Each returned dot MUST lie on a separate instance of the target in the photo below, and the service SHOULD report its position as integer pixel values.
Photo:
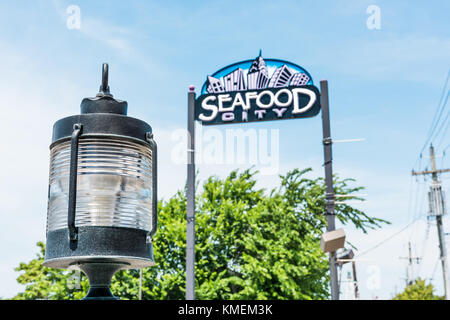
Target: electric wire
(436, 134)
(387, 239)
(436, 118)
(437, 114)
(443, 123)
(444, 135)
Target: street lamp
(102, 202)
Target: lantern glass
(114, 184)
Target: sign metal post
(329, 191)
(246, 92)
(190, 208)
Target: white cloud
(119, 39)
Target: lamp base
(100, 275)
(108, 244)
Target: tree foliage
(47, 283)
(250, 244)
(419, 290)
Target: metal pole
(409, 273)
(190, 208)
(443, 256)
(355, 280)
(329, 191)
(438, 212)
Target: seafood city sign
(257, 90)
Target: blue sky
(384, 86)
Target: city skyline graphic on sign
(256, 74)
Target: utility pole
(409, 270)
(437, 210)
(355, 280)
(329, 191)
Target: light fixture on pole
(102, 201)
(345, 257)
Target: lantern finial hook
(104, 88)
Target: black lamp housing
(102, 200)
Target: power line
(433, 134)
(388, 238)
(435, 119)
(437, 114)
(436, 135)
(445, 130)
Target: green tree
(250, 244)
(419, 290)
(47, 283)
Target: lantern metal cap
(104, 102)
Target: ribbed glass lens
(114, 184)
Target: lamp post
(102, 200)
